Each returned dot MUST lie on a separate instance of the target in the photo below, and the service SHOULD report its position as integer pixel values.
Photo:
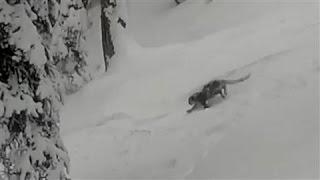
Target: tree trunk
(107, 43)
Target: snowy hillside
(131, 122)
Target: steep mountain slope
(131, 123)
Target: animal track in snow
(114, 116)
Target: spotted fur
(210, 90)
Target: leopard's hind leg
(223, 91)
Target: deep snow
(131, 121)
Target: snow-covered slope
(160, 22)
(131, 123)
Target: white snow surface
(131, 122)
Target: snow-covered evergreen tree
(68, 46)
(35, 36)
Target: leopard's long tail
(237, 80)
